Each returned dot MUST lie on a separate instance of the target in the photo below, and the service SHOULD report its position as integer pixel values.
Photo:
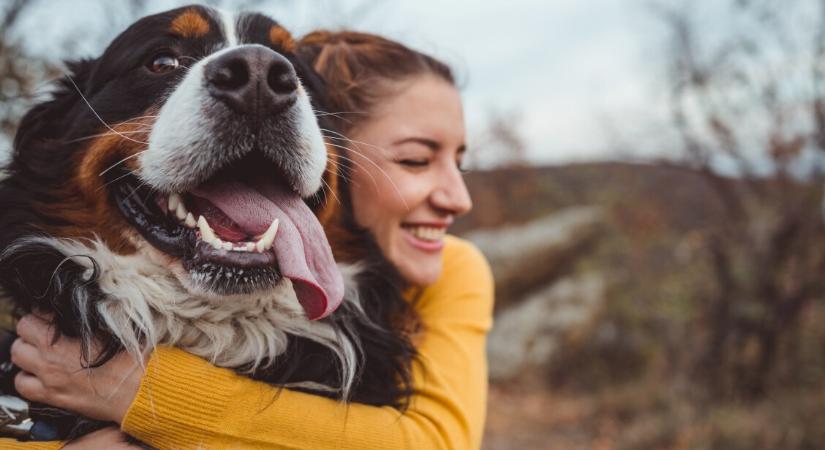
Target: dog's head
(192, 139)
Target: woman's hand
(54, 374)
(106, 439)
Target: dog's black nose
(252, 80)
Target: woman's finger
(30, 387)
(26, 356)
(34, 330)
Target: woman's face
(406, 184)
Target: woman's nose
(451, 193)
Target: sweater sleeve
(13, 444)
(184, 402)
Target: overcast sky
(580, 75)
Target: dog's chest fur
(145, 306)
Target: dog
(171, 192)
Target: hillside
(629, 374)
(657, 195)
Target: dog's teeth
(227, 246)
(250, 246)
(190, 221)
(180, 211)
(207, 235)
(269, 235)
(265, 243)
(259, 246)
(174, 201)
(217, 243)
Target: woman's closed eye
(414, 163)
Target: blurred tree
(20, 74)
(500, 143)
(748, 97)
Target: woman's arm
(185, 402)
(14, 444)
(106, 439)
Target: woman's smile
(425, 237)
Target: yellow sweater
(184, 402)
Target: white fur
(228, 20)
(145, 306)
(310, 135)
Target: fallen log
(527, 257)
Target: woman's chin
(420, 269)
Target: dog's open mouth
(239, 232)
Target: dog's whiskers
(359, 143)
(128, 172)
(135, 190)
(332, 191)
(363, 155)
(338, 112)
(138, 120)
(383, 172)
(320, 113)
(121, 162)
(339, 165)
(108, 133)
(364, 168)
(98, 115)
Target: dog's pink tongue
(300, 246)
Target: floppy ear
(43, 122)
(316, 88)
(312, 82)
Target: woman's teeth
(263, 243)
(427, 233)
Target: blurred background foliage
(670, 303)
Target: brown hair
(360, 69)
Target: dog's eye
(163, 63)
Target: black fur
(383, 376)
(35, 276)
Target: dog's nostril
(252, 80)
(230, 76)
(281, 78)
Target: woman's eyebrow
(429, 143)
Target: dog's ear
(316, 88)
(43, 122)
(312, 83)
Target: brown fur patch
(346, 245)
(331, 206)
(190, 24)
(281, 38)
(83, 205)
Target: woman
(401, 114)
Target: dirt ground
(527, 416)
